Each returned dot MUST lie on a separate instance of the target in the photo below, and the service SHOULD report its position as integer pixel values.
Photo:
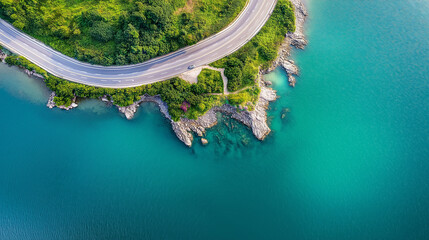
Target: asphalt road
(232, 38)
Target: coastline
(256, 120)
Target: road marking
(44, 60)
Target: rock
(104, 99)
(129, 111)
(256, 119)
(290, 67)
(296, 39)
(182, 134)
(28, 72)
(198, 126)
(204, 141)
(34, 73)
(72, 105)
(51, 103)
(3, 56)
(284, 112)
(292, 80)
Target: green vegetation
(24, 63)
(119, 32)
(241, 68)
(185, 99)
(175, 92)
(245, 99)
(209, 81)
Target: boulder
(204, 141)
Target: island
(120, 34)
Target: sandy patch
(192, 76)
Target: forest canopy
(185, 99)
(119, 32)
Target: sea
(348, 156)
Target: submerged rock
(284, 112)
(256, 119)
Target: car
(191, 67)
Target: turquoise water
(349, 161)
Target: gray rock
(256, 119)
(290, 67)
(34, 73)
(291, 80)
(105, 99)
(129, 111)
(3, 56)
(51, 103)
(296, 39)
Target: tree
(101, 31)
(267, 54)
(88, 18)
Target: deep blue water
(349, 161)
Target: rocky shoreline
(51, 103)
(256, 120)
(296, 39)
(3, 56)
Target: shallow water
(350, 160)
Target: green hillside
(119, 32)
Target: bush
(267, 54)
(241, 67)
(161, 26)
(101, 31)
(209, 81)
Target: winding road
(237, 34)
